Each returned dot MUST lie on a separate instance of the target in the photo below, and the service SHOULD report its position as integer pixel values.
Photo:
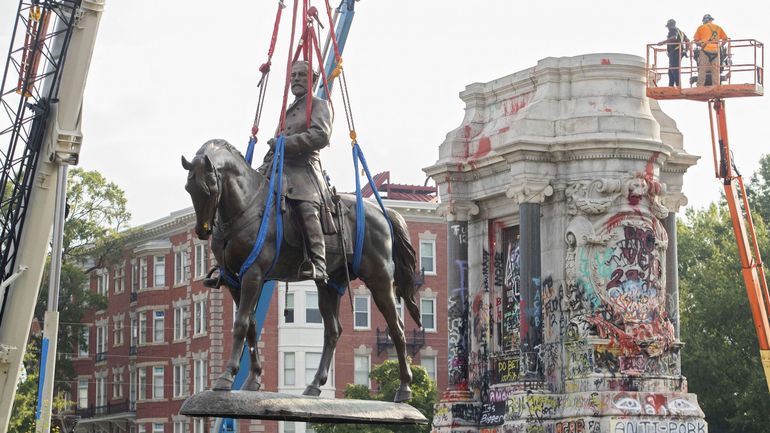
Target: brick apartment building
(164, 336)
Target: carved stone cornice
(674, 200)
(458, 210)
(597, 196)
(530, 191)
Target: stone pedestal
(570, 296)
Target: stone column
(529, 195)
(457, 409)
(457, 298)
(672, 201)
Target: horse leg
(383, 294)
(251, 287)
(329, 306)
(255, 368)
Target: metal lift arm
(748, 249)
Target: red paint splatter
(504, 130)
(606, 61)
(485, 146)
(607, 110)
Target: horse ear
(186, 164)
(209, 165)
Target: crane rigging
(41, 101)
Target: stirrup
(213, 282)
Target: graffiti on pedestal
(478, 374)
(505, 368)
(615, 276)
(511, 291)
(458, 329)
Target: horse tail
(405, 260)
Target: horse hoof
(223, 384)
(312, 391)
(251, 385)
(403, 395)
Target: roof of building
(398, 191)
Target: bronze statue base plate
(287, 407)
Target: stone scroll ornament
(615, 265)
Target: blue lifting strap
(360, 217)
(250, 149)
(275, 188)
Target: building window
(132, 386)
(361, 312)
(400, 308)
(179, 427)
(102, 280)
(200, 317)
(142, 327)
(101, 392)
(181, 322)
(142, 383)
(140, 428)
(101, 343)
(157, 383)
(134, 277)
(181, 267)
(428, 314)
(201, 259)
(312, 313)
(82, 393)
(428, 256)
(312, 359)
(288, 369)
(159, 270)
(180, 387)
(143, 273)
(117, 384)
(119, 278)
(158, 326)
(117, 332)
(201, 374)
(289, 427)
(83, 346)
(157, 427)
(288, 311)
(361, 366)
(134, 331)
(429, 363)
(199, 425)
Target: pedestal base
(285, 407)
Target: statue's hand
(271, 143)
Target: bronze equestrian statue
(229, 199)
(305, 188)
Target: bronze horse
(229, 199)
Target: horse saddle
(293, 233)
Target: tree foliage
(721, 357)
(386, 375)
(24, 406)
(97, 214)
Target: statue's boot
(309, 214)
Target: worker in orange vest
(709, 37)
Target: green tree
(386, 375)
(721, 358)
(759, 189)
(25, 405)
(92, 239)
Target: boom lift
(736, 80)
(42, 101)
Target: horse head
(205, 189)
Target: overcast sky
(168, 75)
